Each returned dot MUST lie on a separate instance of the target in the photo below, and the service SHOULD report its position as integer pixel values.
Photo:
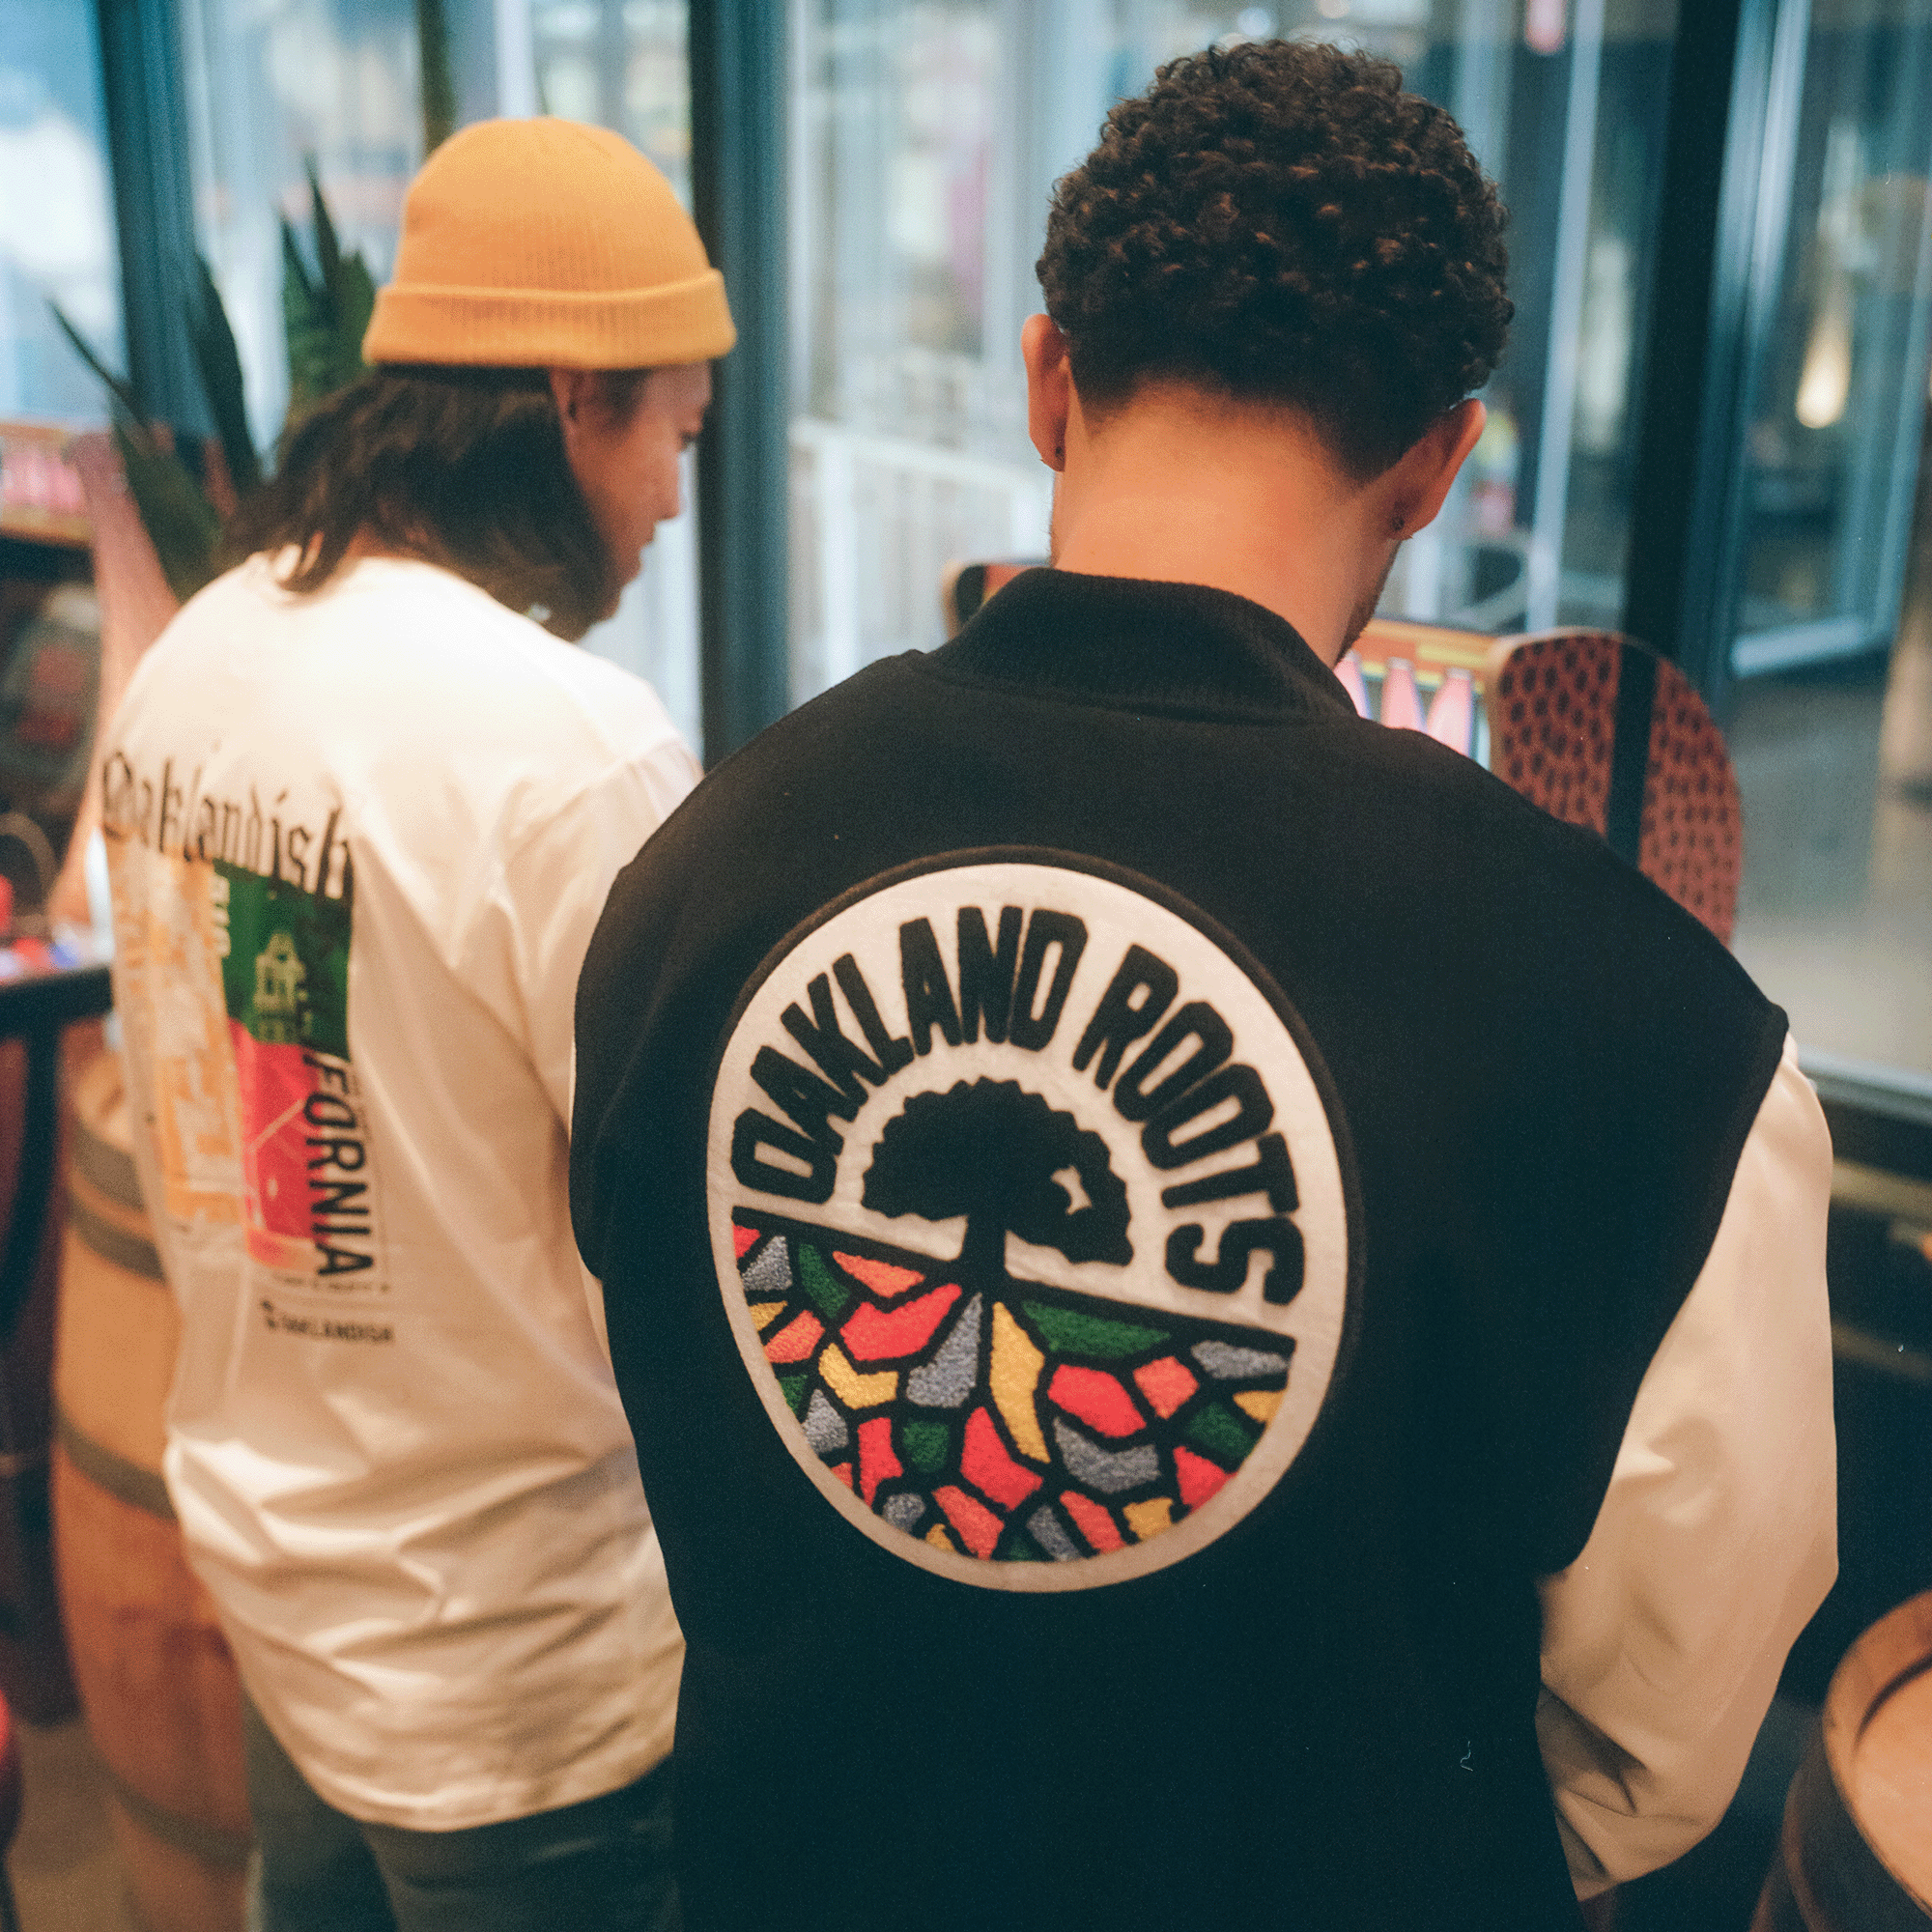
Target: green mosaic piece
(1068, 1330)
(826, 1292)
(1223, 1432)
(926, 1444)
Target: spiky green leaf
(354, 304)
(220, 368)
(294, 268)
(117, 387)
(328, 250)
(325, 315)
(180, 520)
(438, 86)
(311, 342)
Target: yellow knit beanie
(546, 243)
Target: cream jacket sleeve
(1717, 1540)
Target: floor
(66, 1873)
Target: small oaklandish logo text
(1030, 1219)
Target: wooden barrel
(157, 1681)
(1856, 1853)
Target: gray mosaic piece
(1108, 1471)
(950, 1377)
(903, 1512)
(1227, 1363)
(1046, 1529)
(824, 1427)
(768, 1278)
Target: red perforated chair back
(1600, 732)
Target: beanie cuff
(543, 329)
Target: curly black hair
(1281, 220)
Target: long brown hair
(464, 467)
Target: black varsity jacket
(1133, 1208)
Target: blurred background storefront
(886, 164)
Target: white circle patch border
(1119, 909)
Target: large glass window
(622, 64)
(274, 86)
(927, 137)
(1843, 272)
(57, 239)
(277, 86)
(1830, 723)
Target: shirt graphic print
(1030, 1218)
(235, 957)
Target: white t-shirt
(358, 840)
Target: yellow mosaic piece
(764, 1313)
(1151, 1517)
(940, 1537)
(854, 1389)
(1261, 1403)
(1016, 1367)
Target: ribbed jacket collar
(1181, 649)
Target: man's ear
(1423, 473)
(574, 391)
(1049, 388)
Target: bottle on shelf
(1350, 671)
(1402, 703)
(1452, 711)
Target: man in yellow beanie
(363, 805)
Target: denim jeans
(604, 1863)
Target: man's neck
(1179, 487)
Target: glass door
(1842, 290)
(1829, 578)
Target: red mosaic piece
(744, 1241)
(984, 1463)
(796, 1340)
(1098, 1400)
(1166, 1384)
(1095, 1523)
(874, 1334)
(881, 1277)
(978, 1527)
(1199, 1478)
(877, 1463)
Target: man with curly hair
(1225, 1322)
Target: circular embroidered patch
(1030, 1218)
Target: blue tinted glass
(57, 235)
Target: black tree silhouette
(990, 1151)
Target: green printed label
(286, 974)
